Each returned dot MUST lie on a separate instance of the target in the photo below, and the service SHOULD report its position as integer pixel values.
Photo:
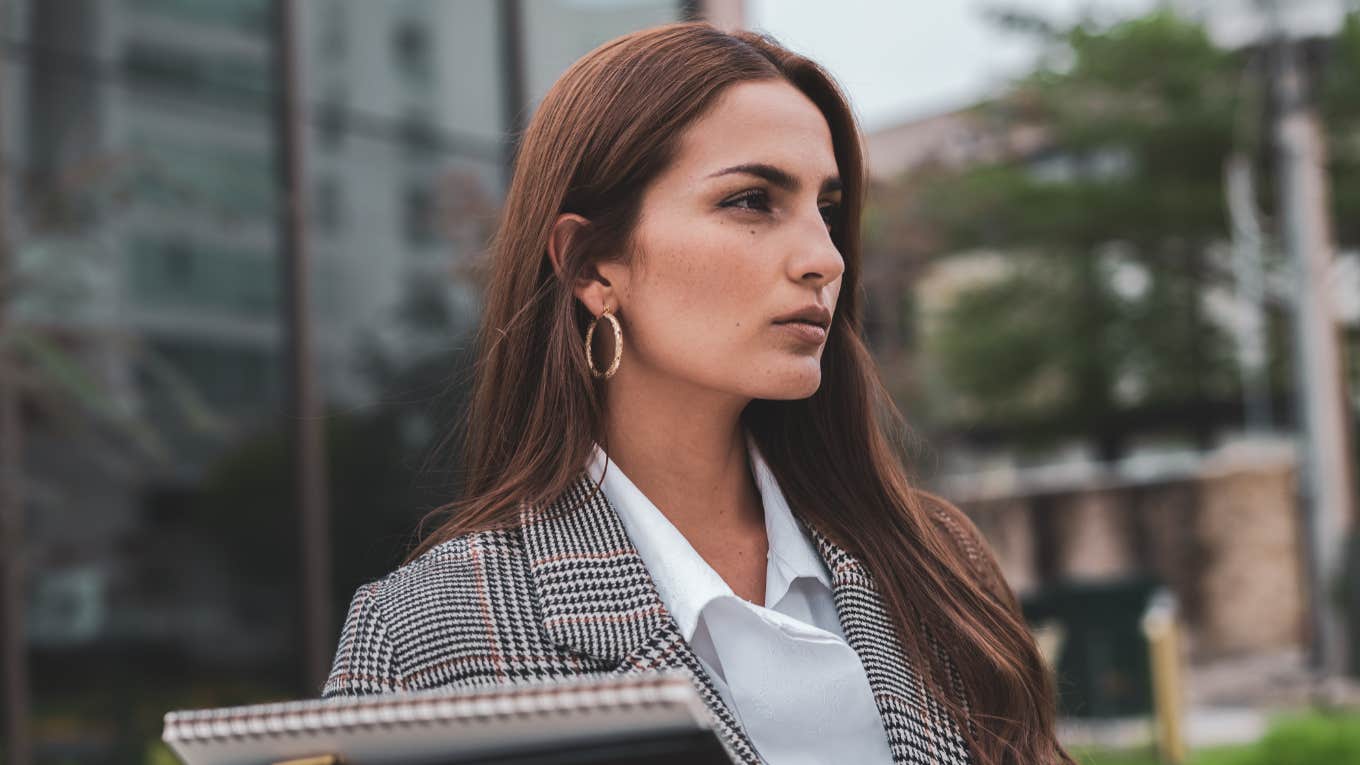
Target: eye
(753, 199)
(830, 212)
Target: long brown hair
(608, 126)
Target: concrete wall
(1225, 539)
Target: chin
(800, 381)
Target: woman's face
(732, 239)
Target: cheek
(834, 295)
(704, 288)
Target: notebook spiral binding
(463, 706)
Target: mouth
(812, 315)
(803, 322)
(809, 332)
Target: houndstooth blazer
(566, 593)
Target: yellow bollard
(1163, 635)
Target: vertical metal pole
(13, 648)
(512, 73)
(305, 407)
(1326, 488)
(1249, 277)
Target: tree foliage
(1340, 99)
(1100, 322)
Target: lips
(803, 331)
(815, 315)
(808, 324)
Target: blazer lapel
(919, 729)
(598, 599)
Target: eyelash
(829, 211)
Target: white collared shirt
(783, 668)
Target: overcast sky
(909, 58)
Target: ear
(593, 290)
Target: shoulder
(458, 566)
(960, 531)
(421, 608)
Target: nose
(816, 262)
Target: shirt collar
(684, 580)
(791, 551)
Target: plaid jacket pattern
(566, 594)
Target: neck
(684, 447)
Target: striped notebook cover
(658, 716)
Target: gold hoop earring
(618, 346)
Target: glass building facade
(145, 219)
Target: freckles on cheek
(733, 301)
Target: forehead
(767, 121)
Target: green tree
(1096, 323)
(1340, 100)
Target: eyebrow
(778, 177)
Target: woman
(674, 451)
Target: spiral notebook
(654, 718)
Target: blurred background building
(143, 163)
